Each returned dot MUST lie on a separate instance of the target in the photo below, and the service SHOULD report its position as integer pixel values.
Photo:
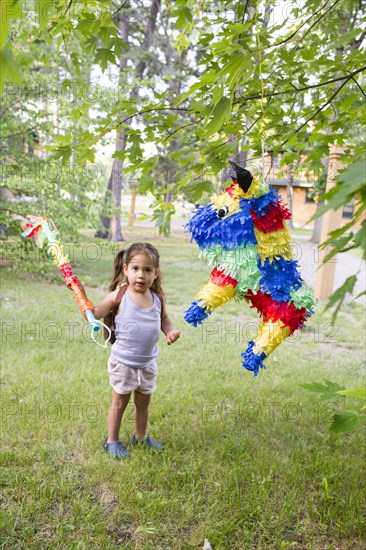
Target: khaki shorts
(124, 379)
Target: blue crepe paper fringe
(195, 314)
(279, 278)
(253, 362)
(208, 230)
(261, 204)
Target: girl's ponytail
(118, 274)
(157, 284)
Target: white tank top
(137, 333)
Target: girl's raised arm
(101, 310)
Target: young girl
(132, 364)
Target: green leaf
(220, 115)
(346, 421)
(86, 26)
(190, 92)
(237, 64)
(146, 184)
(343, 39)
(162, 217)
(196, 189)
(225, 46)
(337, 246)
(118, 46)
(9, 69)
(45, 11)
(328, 389)
(238, 28)
(63, 153)
(9, 9)
(307, 54)
(183, 15)
(285, 55)
(358, 393)
(360, 294)
(360, 239)
(340, 294)
(338, 232)
(104, 56)
(350, 181)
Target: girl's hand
(68, 281)
(172, 336)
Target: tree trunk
(111, 226)
(175, 87)
(290, 195)
(116, 181)
(317, 229)
(132, 206)
(103, 232)
(116, 233)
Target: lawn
(249, 463)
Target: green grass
(249, 462)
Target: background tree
(255, 78)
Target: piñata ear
(243, 176)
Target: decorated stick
(44, 231)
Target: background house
(300, 186)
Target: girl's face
(140, 272)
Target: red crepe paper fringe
(66, 271)
(231, 189)
(219, 278)
(273, 218)
(271, 310)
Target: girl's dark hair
(125, 256)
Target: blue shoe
(115, 449)
(148, 442)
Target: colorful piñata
(243, 235)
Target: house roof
(283, 183)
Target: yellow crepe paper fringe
(253, 191)
(271, 245)
(233, 201)
(269, 336)
(225, 200)
(57, 253)
(214, 296)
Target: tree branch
(21, 133)
(294, 90)
(356, 43)
(245, 11)
(142, 113)
(119, 9)
(321, 108)
(181, 128)
(297, 30)
(57, 21)
(359, 87)
(253, 124)
(313, 25)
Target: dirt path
(346, 265)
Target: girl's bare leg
(115, 414)
(142, 402)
